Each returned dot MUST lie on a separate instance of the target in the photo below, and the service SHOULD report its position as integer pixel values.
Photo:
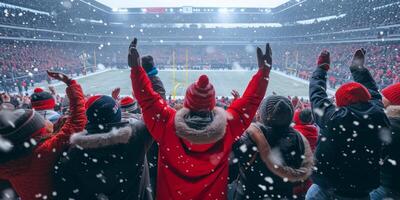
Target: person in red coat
(32, 150)
(304, 123)
(195, 142)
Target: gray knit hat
(18, 126)
(276, 111)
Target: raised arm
(322, 106)
(76, 121)
(155, 109)
(243, 109)
(363, 76)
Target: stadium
(318, 55)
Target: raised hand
(133, 56)
(52, 90)
(324, 60)
(235, 94)
(264, 60)
(59, 76)
(115, 93)
(358, 58)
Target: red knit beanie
(200, 96)
(42, 100)
(351, 93)
(392, 93)
(128, 104)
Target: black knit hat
(147, 63)
(276, 111)
(102, 112)
(306, 116)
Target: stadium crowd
(24, 64)
(249, 147)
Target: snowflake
(269, 180)
(243, 148)
(393, 162)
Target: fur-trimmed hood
(281, 170)
(99, 140)
(393, 111)
(210, 134)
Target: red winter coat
(31, 176)
(187, 170)
(310, 131)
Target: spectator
(28, 164)
(108, 159)
(44, 103)
(390, 171)
(349, 145)
(195, 142)
(272, 155)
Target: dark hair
(306, 116)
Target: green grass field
(223, 81)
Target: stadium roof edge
(127, 4)
(287, 6)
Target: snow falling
(302, 52)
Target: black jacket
(258, 181)
(390, 172)
(152, 154)
(110, 166)
(349, 146)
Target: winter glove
(324, 60)
(358, 59)
(60, 76)
(133, 56)
(264, 60)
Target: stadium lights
(121, 10)
(225, 10)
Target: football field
(176, 82)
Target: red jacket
(310, 131)
(31, 176)
(187, 170)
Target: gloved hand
(324, 60)
(358, 59)
(264, 60)
(133, 56)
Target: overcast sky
(194, 3)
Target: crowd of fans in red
(384, 62)
(248, 147)
(23, 64)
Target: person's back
(103, 163)
(107, 162)
(349, 147)
(271, 173)
(304, 123)
(390, 171)
(28, 164)
(195, 142)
